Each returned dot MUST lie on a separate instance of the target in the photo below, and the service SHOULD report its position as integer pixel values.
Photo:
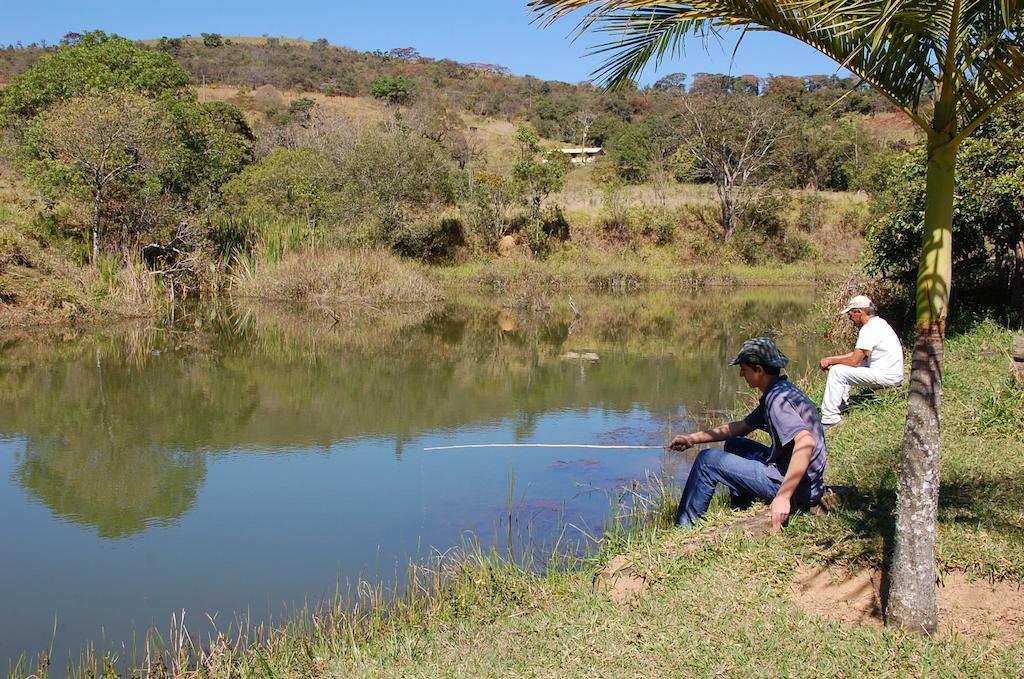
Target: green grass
(981, 511)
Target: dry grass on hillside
(361, 110)
(890, 129)
(495, 138)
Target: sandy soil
(978, 609)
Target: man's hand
(681, 442)
(779, 510)
(824, 364)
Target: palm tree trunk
(913, 601)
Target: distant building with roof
(583, 154)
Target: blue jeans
(742, 467)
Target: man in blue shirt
(790, 471)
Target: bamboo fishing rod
(544, 445)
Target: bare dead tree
(585, 119)
(733, 138)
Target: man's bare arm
(803, 447)
(719, 433)
(852, 359)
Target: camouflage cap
(761, 351)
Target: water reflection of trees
(118, 424)
(118, 491)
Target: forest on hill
(190, 166)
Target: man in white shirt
(876, 361)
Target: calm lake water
(244, 460)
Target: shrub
(653, 224)
(393, 90)
(430, 240)
(988, 222)
(536, 238)
(764, 237)
(212, 39)
(292, 182)
(810, 211)
(632, 154)
(343, 85)
(95, 63)
(490, 211)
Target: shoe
(828, 425)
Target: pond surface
(241, 461)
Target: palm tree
(948, 65)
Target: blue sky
(492, 31)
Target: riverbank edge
(471, 612)
(512, 282)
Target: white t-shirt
(882, 344)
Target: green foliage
(654, 224)
(538, 172)
(103, 149)
(672, 82)
(170, 45)
(431, 239)
(392, 177)
(107, 121)
(344, 85)
(490, 209)
(95, 63)
(398, 90)
(210, 143)
(380, 189)
(632, 153)
(252, 238)
(136, 160)
(988, 223)
(212, 39)
(764, 235)
(821, 153)
(291, 182)
(607, 129)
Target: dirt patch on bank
(978, 610)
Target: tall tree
(948, 65)
(733, 137)
(97, 142)
(539, 172)
(95, 62)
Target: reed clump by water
(338, 277)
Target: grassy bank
(725, 609)
(44, 278)
(527, 282)
(625, 241)
(41, 286)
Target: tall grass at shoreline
(338, 277)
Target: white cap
(857, 302)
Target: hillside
(483, 89)
(276, 147)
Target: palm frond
(903, 48)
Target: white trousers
(841, 378)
